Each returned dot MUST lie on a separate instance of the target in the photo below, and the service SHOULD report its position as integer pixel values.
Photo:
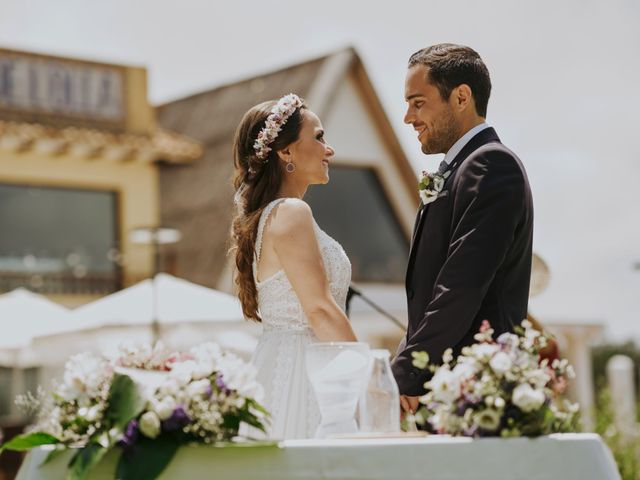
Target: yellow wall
(136, 185)
(140, 115)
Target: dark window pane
(31, 377)
(5, 391)
(54, 239)
(353, 209)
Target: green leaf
(53, 454)
(257, 406)
(125, 401)
(231, 421)
(254, 422)
(147, 459)
(83, 461)
(28, 441)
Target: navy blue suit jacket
(470, 257)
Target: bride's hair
(257, 182)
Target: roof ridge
(247, 79)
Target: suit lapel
(416, 223)
(487, 135)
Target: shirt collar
(462, 141)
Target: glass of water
(337, 372)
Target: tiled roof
(88, 142)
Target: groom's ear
(462, 97)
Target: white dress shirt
(462, 141)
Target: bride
(291, 275)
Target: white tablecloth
(557, 457)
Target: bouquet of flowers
(146, 401)
(498, 388)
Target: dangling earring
(290, 168)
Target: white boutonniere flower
(430, 186)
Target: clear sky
(565, 98)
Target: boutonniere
(430, 186)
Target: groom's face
(431, 116)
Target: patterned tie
(443, 167)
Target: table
(560, 456)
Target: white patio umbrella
(178, 301)
(23, 317)
(187, 313)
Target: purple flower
(221, 385)
(130, 435)
(471, 399)
(177, 420)
(461, 407)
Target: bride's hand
(409, 404)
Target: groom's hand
(409, 404)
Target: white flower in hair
(279, 115)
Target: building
(79, 154)
(368, 206)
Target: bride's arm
(295, 244)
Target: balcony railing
(61, 283)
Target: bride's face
(310, 153)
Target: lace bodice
(277, 301)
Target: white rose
(238, 375)
(198, 387)
(438, 183)
(538, 376)
(182, 372)
(170, 387)
(484, 350)
(203, 369)
(526, 398)
(164, 408)
(150, 425)
(509, 339)
(465, 370)
(500, 363)
(445, 385)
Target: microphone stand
(354, 292)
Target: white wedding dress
(280, 354)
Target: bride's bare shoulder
(291, 216)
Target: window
(5, 391)
(58, 240)
(353, 209)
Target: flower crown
(279, 115)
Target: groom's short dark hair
(452, 65)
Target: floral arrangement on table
(498, 387)
(146, 401)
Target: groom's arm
(488, 204)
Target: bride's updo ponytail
(257, 182)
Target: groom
(470, 256)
